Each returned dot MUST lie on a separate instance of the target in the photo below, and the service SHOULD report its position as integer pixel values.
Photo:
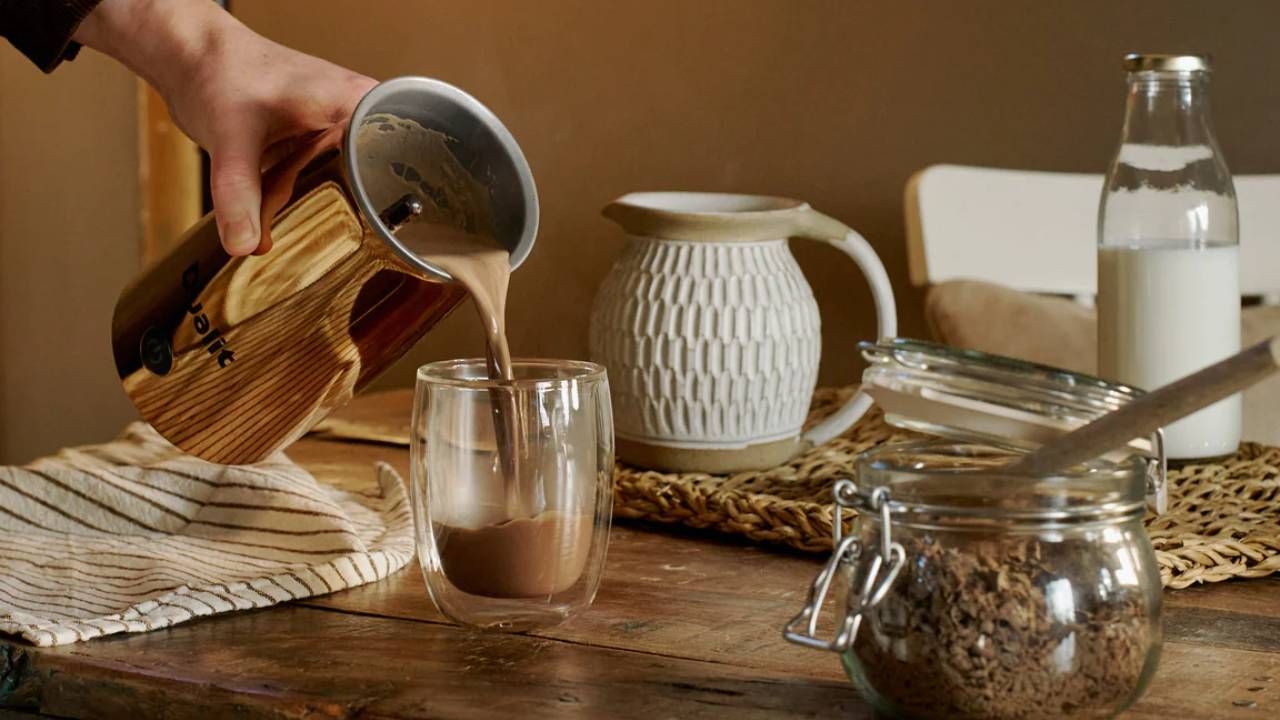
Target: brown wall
(68, 242)
(835, 102)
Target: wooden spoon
(1154, 410)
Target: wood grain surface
(685, 625)
(263, 347)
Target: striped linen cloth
(133, 535)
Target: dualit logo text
(211, 337)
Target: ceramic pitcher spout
(713, 217)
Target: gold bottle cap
(1158, 62)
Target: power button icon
(157, 355)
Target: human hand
(250, 102)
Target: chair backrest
(1037, 231)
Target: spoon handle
(1155, 410)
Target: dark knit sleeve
(42, 29)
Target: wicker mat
(1223, 519)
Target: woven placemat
(1223, 519)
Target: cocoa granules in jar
(998, 626)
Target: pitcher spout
(708, 217)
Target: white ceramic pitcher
(711, 334)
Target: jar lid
(973, 396)
(918, 479)
(1158, 62)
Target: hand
(248, 101)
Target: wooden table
(685, 625)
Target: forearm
(162, 41)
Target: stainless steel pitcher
(232, 359)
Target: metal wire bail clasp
(803, 628)
(1158, 476)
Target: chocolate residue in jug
(398, 157)
(520, 558)
(455, 229)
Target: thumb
(236, 186)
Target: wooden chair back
(1037, 231)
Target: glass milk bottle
(1168, 248)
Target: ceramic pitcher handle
(816, 226)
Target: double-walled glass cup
(512, 489)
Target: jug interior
(419, 138)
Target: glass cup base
(511, 617)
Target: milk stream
(482, 266)
(1165, 312)
(503, 541)
(522, 549)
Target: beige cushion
(1056, 331)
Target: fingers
(276, 152)
(278, 182)
(349, 94)
(236, 185)
(278, 136)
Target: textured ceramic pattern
(711, 345)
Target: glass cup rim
(443, 372)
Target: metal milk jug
(232, 359)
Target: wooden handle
(233, 359)
(1155, 410)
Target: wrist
(162, 41)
